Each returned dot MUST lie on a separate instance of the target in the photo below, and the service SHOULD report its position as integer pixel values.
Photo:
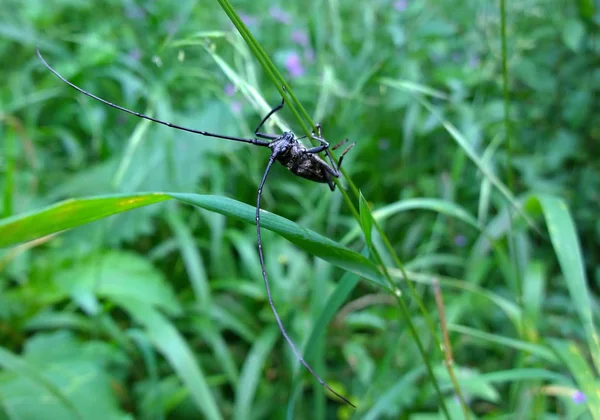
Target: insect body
(285, 149)
(301, 161)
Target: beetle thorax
(286, 144)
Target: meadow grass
(453, 274)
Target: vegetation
(453, 275)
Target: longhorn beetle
(285, 149)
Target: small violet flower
(300, 37)
(460, 240)
(294, 66)
(280, 15)
(229, 89)
(474, 61)
(248, 19)
(400, 5)
(578, 397)
(236, 107)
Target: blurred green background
(160, 312)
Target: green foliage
(486, 186)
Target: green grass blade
(346, 285)
(536, 349)
(366, 219)
(252, 372)
(389, 399)
(308, 240)
(191, 256)
(433, 204)
(148, 354)
(568, 251)
(174, 348)
(69, 214)
(466, 146)
(583, 373)
(75, 212)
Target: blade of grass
(535, 349)
(583, 373)
(348, 282)
(148, 355)
(191, 257)
(75, 212)
(468, 149)
(175, 349)
(69, 214)
(432, 204)
(251, 372)
(568, 251)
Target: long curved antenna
(271, 304)
(257, 142)
(264, 120)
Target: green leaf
(174, 348)
(252, 372)
(59, 376)
(468, 148)
(536, 349)
(335, 301)
(69, 214)
(586, 8)
(191, 257)
(568, 251)
(118, 274)
(366, 219)
(581, 371)
(346, 285)
(391, 397)
(432, 204)
(573, 33)
(306, 239)
(75, 212)
(56, 399)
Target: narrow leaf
(366, 219)
(69, 214)
(174, 348)
(251, 373)
(568, 251)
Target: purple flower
(578, 397)
(400, 5)
(460, 240)
(236, 107)
(300, 37)
(230, 89)
(293, 65)
(248, 19)
(474, 61)
(280, 15)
